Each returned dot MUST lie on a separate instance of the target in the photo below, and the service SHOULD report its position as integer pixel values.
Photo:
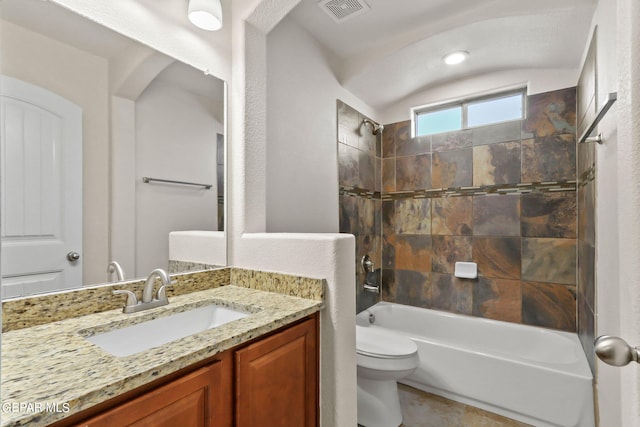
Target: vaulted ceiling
(395, 48)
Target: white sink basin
(153, 333)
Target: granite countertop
(53, 364)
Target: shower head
(376, 129)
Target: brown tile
(413, 288)
(422, 409)
(348, 215)
(413, 172)
(452, 168)
(451, 294)
(366, 171)
(452, 216)
(372, 245)
(474, 417)
(499, 299)
(549, 260)
(551, 158)
(549, 305)
(587, 87)
(392, 135)
(549, 214)
(501, 132)
(348, 166)
(389, 174)
(551, 113)
(586, 331)
(412, 146)
(447, 250)
(389, 251)
(388, 289)
(366, 216)
(377, 221)
(388, 217)
(586, 286)
(413, 216)
(452, 140)
(496, 215)
(413, 252)
(586, 158)
(348, 125)
(378, 175)
(587, 212)
(496, 164)
(497, 257)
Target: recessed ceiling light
(455, 57)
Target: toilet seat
(379, 343)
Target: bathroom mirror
(140, 138)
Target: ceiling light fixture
(455, 57)
(205, 14)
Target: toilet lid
(378, 342)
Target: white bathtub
(534, 375)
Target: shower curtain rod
(611, 98)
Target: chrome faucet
(114, 267)
(371, 282)
(147, 292)
(148, 301)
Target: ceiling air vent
(341, 10)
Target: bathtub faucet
(371, 282)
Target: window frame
(463, 103)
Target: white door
(41, 193)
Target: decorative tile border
(523, 188)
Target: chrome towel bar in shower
(611, 98)
(147, 180)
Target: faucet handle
(162, 291)
(131, 297)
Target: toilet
(382, 358)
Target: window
(469, 113)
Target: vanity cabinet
(277, 379)
(192, 400)
(271, 381)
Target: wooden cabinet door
(277, 379)
(190, 401)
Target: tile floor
(422, 409)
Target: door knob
(73, 256)
(615, 351)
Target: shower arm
(376, 128)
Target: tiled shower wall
(502, 196)
(360, 211)
(586, 295)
